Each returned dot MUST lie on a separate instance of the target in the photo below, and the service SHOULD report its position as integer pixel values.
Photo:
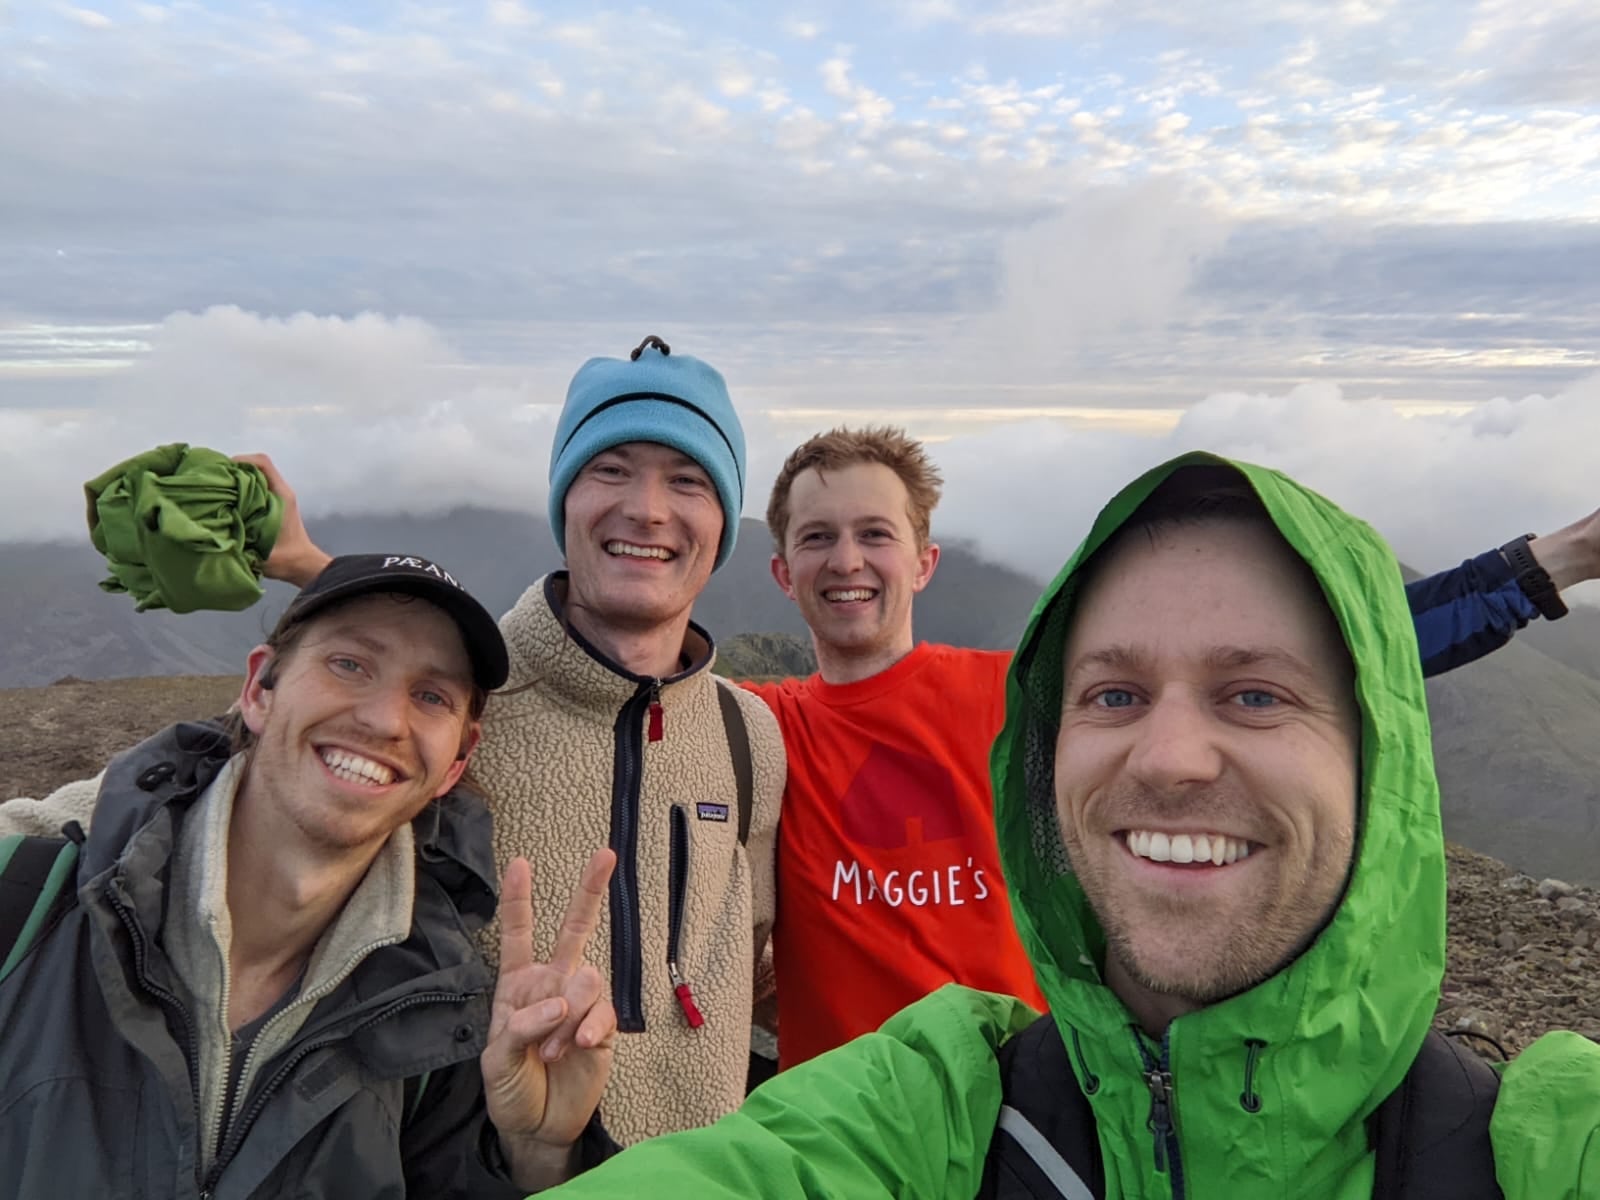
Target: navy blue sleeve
(1467, 612)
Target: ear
(470, 737)
(780, 573)
(255, 700)
(927, 561)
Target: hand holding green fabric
(183, 528)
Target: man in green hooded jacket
(1219, 822)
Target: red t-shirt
(888, 873)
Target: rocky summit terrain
(1524, 952)
(1524, 955)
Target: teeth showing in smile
(629, 550)
(352, 768)
(842, 595)
(1214, 848)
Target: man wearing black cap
(258, 973)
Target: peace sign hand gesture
(552, 1029)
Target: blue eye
(1256, 698)
(1115, 698)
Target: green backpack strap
(411, 1094)
(37, 884)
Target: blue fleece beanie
(655, 396)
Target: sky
(1062, 239)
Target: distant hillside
(54, 620)
(765, 655)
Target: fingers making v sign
(553, 1027)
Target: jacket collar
(547, 651)
(146, 792)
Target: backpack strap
(36, 877)
(739, 746)
(1431, 1136)
(1045, 1144)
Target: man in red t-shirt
(888, 873)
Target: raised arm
(907, 1112)
(1474, 609)
(295, 558)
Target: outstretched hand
(295, 558)
(1572, 553)
(552, 1030)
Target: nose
(383, 709)
(845, 557)
(1176, 744)
(645, 499)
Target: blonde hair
(842, 447)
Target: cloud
(961, 212)
(863, 106)
(380, 415)
(1542, 55)
(368, 414)
(1115, 262)
(1440, 487)
(87, 17)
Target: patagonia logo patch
(711, 812)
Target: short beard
(1272, 934)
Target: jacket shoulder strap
(739, 747)
(1045, 1144)
(37, 884)
(1431, 1136)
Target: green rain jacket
(183, 527)
(910, 1111)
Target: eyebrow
(820, 523)
(1132, 660)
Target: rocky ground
(1524, 953)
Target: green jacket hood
(1323, 1041)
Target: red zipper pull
(680, 989)
(657, 717)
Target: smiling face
(1207, 761)
(852, 562)
(643, 525)
(363, 722)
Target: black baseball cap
(361, 574)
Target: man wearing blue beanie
(658, 397)
(612, 731)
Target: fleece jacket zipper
(677, 897)
(627, 779)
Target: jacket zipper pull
(680, 989)
(657, 717)
(1160, 1124)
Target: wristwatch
(1533, 579)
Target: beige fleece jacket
(547, 761)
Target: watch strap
(1533, 579)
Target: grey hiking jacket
(98, 1066)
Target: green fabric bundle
(184, 528)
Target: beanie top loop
(651, 341)
(677, 401)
